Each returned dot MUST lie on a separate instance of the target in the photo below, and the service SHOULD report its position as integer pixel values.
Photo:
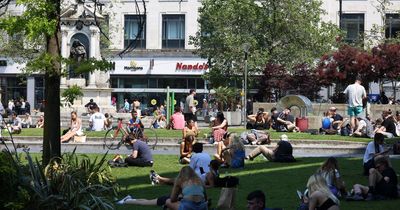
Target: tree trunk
(51, 131)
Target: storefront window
(153, 83)
(192, 83)
(39, 91)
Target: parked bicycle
(120, 135)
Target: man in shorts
(355, 94)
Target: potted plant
(227, 99)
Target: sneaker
(153, 177)
(122, 201)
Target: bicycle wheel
(113, 139)
(151, 137)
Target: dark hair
(189, 138)
(382, 160)
(378, 138)
(177, 109)
(106, 115)
(189, 121)
(197, 147)
(261, 109)
(258, 195)
(226, 135)
(215, 164)
(220, 116)
(74, 112)
(358, 77)
(273, 109)
(191, 91)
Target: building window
(135, 31)
(353, 24)
(392, 25)
(173, 31)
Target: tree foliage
(283, 32)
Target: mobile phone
(201, 170)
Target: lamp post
(340, 14)
(246, 48)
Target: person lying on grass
(283, 152)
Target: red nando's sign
(187, 67)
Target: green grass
(178, 134)
(279, 181)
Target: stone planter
(233, 118)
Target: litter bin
(302, 123)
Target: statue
(77, 54)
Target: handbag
(226, 199)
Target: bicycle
(117, 136)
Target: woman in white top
(75, 129)
(330, 171)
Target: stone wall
(314, 118)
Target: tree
(277, 81)
(39, 26)
(341, 67)
(282, 32)
(387, 63)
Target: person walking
(355, 94)
(190, 109)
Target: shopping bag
(226, 199)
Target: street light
(246, 48)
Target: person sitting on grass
(283, 152)
(223, 155)
(177, 121)
(382, 181)
(200, 161)
(75, 128)
(135, 125)
(16, 126)
(259, 121)
(320, 197)
(256, 201)
(27, 121)
(192, 189)
(373, 151)
(220, 127)
(186, 150)
(40, 122)
(141, 153)
(97, 120)
(283, 123)
(190, 130)
(388, 127)
(330, 171)
(337, 119)
(364, 128)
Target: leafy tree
(387, 63)
(341, 67)
(72, 93)
(39, 28)
(283, 32)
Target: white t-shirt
(355, 94)
(97, 120)
(370, 151)
(200, 160)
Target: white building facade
(162, 56)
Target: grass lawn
(279, 181)
(178, 134)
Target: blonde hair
(187, 174)
(236, 143)
(317, 182)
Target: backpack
(227, 181)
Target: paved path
(301, 148)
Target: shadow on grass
(278, 180)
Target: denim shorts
(191, 205)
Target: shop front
(148, 79)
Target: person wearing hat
(283, 152)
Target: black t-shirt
(261, 125)
(390, 125)
(284, 153)
(143, 151)
(274, 118)
(388, 189)
(279, 126)
(336, 117)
